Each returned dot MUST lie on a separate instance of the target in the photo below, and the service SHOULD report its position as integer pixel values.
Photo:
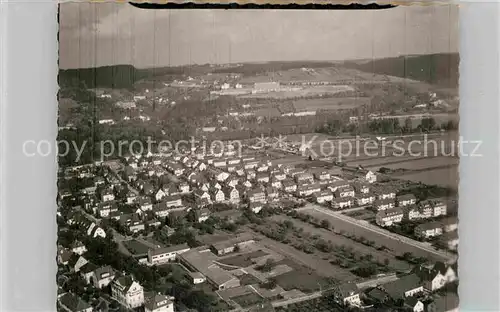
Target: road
(357, 223)
(362, 285)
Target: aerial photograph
(257, 159)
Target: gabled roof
(73, 303)
(348, 289)
(397, 288)
(156, 301)
(103, 270)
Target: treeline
(254, 69)
(440, 69)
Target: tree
(325, 224)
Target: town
(236, 232)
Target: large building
(127, 292)
(263, 87)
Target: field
(448, 177)
(296, 92)
(340, 240)
(329, 103)
(379, 239)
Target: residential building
(72, 303)
(127, 292)
(370, 177)
(343, 202)
(256, 195)
(217, 195)
(272, 194)
(386, 193)
(389, 217)
(430, 229)
(406, 286)
(384, 204)
(145, 203)
(363, 199)
(406, 200)
(361, 188)
(431, 278)
(262, 177)
(173, 201)
(449, 272)
(107, 195)
(413, 304)
(158, 303)
(308, 189)
(322, 197)
(333, 186)
(256, 207)
(304, 178)
(78, 248)
(347, 294)
(102, 277)
(289, 186)
(347, 191)
(158, 256)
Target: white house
(127, 292)
(389, 217)
(347, 294)
(370, 177)
(102, 276)
(159, 303)
(163, 255)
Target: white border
(28, 58)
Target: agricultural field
(330, 103)
(340, 240)
(447, 177)
(297, 92)
(378, 238)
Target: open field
(330, 103)
(301, 278)
(311, 261)
(340, 240)
(448, 177)
(292, 93)
(378, 238)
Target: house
(272, 194)
(161, 210)
(347, 294)
(411, 213)
(256, 207)
(217, 195)
(201, 194)
(276, 183)
(449, 240)
(94, 230)
(63, 256)
(370, 177)
(144, 203)
(360, 187)
(343, 202)
(389, 217)
(448, 271)
(107, 195)
(78, 248)
(431, 278)
(76, 262)
(202, 215)
(308, 189)
(363, 199)
(304, 178)
(173, 201)
(324, 196)
(386, 193)
(230, 245)
(251, 174)
(406, 286)
(430, 229)
(131, 197)
(219, 163)
(127, 292)
(71, 303)
(256, 195)
(406, 200)
(133, 222)
(231, 194)
(102, 277)
(413, 304)
(158, 256)
(289, 186)
(447, 303)
(333, 186)
(160, 194)
(347, 191)
(262, 177)
(384, 204)
(322, 175)
(450, 224)
(232, 181)
(437, 207)
(158, 303)
(279, 175)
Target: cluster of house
(124, 288)
(393, 209)
(412, 290)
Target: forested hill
(117, 76)
(438, 69)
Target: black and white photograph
(285, 160)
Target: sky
(110, 33)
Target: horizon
(267, 62)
